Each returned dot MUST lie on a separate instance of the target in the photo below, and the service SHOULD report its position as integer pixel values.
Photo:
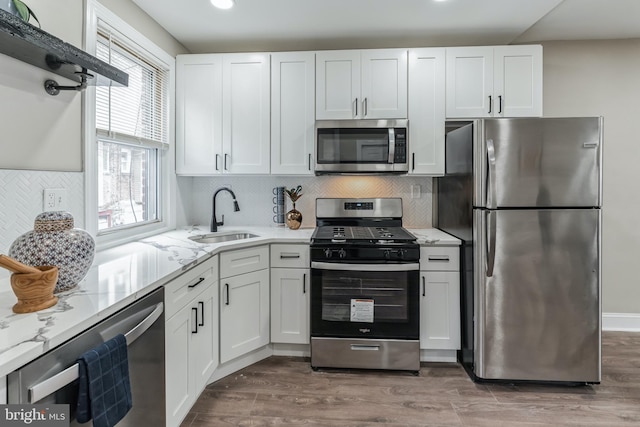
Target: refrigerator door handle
(491, 158)
(491, 242)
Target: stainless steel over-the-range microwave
(361, 146)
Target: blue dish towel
(104, 386)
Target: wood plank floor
(284, 391)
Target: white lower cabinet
(290, 297)
(191, 337)
(244, 304)
(439, 298)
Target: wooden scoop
(16, 266)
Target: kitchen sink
(222, 237)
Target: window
(128, 158)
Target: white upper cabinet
(223, 114)
(292, 112)
(367, 84)
(517, 82)
(500, 81)
(198, 114)
(246, 113)
(426, 110)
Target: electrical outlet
(415, 191)
(54, 199)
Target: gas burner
(338, 232)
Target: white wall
(44, 132)
(602, 78)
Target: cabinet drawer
(292, 256)
(243, 261)
(440, 258)
(181, 290)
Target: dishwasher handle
(72, 373)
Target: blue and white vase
(55, 241)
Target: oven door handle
(364, 267)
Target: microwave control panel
(400, 154)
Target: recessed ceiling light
(223, 4)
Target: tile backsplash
(21, 201)
(254, 194)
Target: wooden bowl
(35, 290)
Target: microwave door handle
(392, 145)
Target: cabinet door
(469, 82)
(293, 104)
(384, 84)
(338, 85)
(178, 351)
(246, 119)
(290, 305)
(198, 114)
(204, 345)
(244, 314)
(426, 110)
(518, 81)
(440, 310)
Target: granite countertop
(123, 274)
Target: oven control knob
(401, 253)
(387, 254)
(328, 253)
(342, 253)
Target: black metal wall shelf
(32, 45)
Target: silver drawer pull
(438, 258)
(289, 256)
(360, 347)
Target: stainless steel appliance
(365, 309)
(361, 146)
(524, 195)
(52, 378)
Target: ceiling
(263, 25)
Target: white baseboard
(628, 322)
(438, 355)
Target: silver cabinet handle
(72, 373)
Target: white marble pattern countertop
(121, 275)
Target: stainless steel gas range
(365, 309)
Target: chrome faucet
(236, 208)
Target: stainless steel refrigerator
(525, 196)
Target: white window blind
(136, 114)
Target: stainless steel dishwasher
(52, 378)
